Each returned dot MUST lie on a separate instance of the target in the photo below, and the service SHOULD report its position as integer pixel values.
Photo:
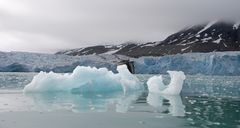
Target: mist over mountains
(216, 36)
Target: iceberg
(158, 91)
(85, 80)
(155, 84)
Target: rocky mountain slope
(210, 37)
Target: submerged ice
(155, 84)
(85, 79)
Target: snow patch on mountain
(219, 39)
(207, 26)
(236, 26)
(204, 40)
(185, 48)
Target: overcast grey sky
(51, 25)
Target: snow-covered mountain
(210, 37)
(98, 49)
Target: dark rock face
(130, 65)
(214, 36)
(93, 50)
(88, 50)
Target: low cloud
(58, 24)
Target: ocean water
(205, 102)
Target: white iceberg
(85, 80)
(155, 84)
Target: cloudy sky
(52, 25)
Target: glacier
(85, 80)
(214, 63)
(36, 62)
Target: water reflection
(167, 103)
(193, 111)
(86, 102)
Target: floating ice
(156, 85)
(85, 80)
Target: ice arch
(155, 84)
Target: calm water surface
(205, 102)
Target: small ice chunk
(155, 84)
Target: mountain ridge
(216, 36)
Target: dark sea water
(205, 102)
